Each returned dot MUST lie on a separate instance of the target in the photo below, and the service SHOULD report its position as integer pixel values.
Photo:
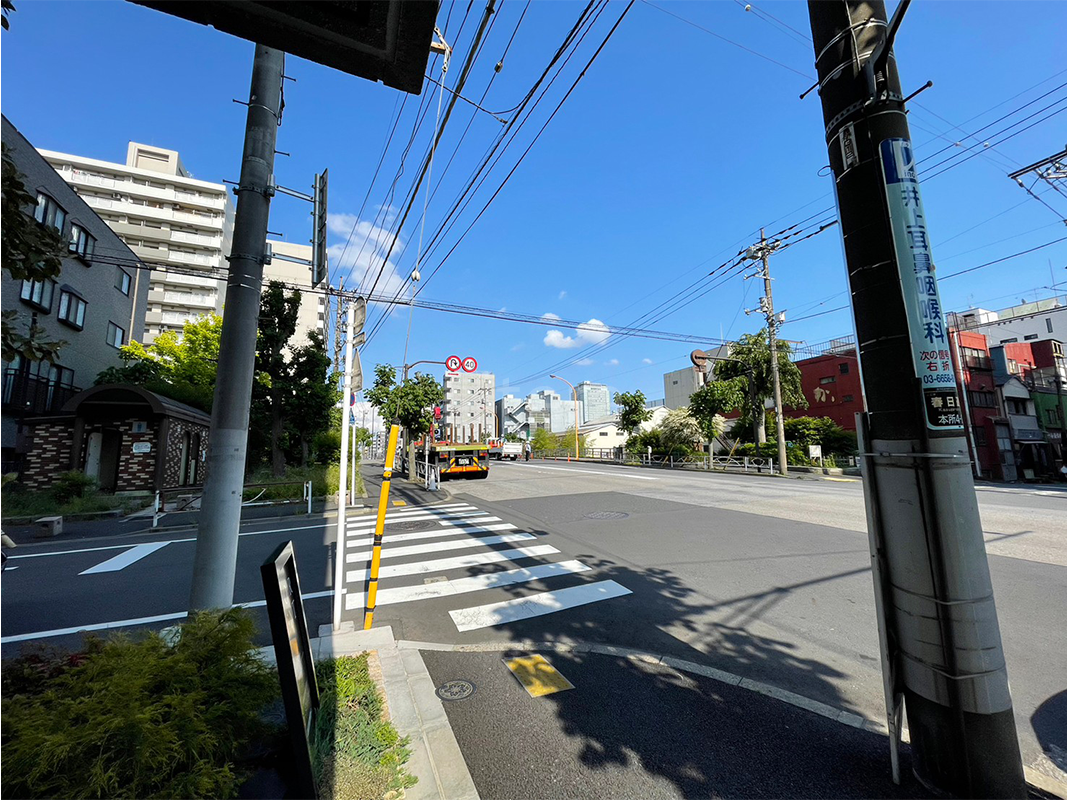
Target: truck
(451, 460)
(499, 449)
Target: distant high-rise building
(468, 409)
(545, 410)
(594, 399)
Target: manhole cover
(456, 690)
(417, 525)
(607, 515)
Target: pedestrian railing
(188, 495)
(752, 464)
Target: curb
(415, 711)
(1033, 777)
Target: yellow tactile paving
(537, 675)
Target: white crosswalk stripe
(492, 541)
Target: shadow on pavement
(1050, 722)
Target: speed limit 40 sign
(455, 364)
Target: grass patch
(72, 493)
(137, 717)
(355, 752)
(324, 480)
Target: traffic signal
(319, 261)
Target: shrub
(139, 717)
(355, 753)
(73, 484)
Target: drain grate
(607, 515)
(455, 690)
(416, 525)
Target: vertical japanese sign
(912, 246)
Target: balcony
(30, 395)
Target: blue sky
(667, 158)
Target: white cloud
(548, 315)
(517, 347)
(647, 361)
(612, 362)
(592, 331)
(584, 362)
(563, 294)
(502, 309)
(361, 247)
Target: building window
(49, 212)
(82, 243)
(1052, 416)
(843, 368)
(38, 294)
(1049, 324)
(980, 436)
(829, 379)
(1004, 443)
(116, 335)
(847, 399)
(1009, 341)
(1030, 336)
(71, 309)
(1016, 406)
(602, 433)
(982, 399)
(122, 281)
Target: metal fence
(695, 462)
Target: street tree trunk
(278, 459)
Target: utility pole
(215, 562)
(762, 251)
(942, 652)
(338, 323)
(343, 463)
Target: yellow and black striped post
(380, 525)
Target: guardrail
(697, 462)
(196, 492)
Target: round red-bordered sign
(453, 363)
(469, 365)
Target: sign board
(912, 246)
(699, 358)
(469, 364)
(453, 363)
(815, 452)
(292, 650)
(142, 447)
(437, 412)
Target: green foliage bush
(137, 717)
(355, 753)
(73, 484)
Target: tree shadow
(1049, 722)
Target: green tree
(182, 368)
(277, 324)
(750, 360)
(824, 431)
(30, 251)
(679, 430)
(716, 398)
(566, 441)
(543, 441)
(411, 403)
(632, 411)
(312, 394)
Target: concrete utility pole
(220, 512)
(342, 481)
(762, 251)
(938, 625)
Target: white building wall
(595, 400)
(165, 217)
(469, 401)
(1024, 323)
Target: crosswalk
(455, 553)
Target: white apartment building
(313, 307)
(545, 409)
(1046, 319)
(467, 412)
(595, 400)
(166, 217)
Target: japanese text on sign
(912, 245)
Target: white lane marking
(370, 523)
(407, 513)
(469, 619)
(594, 472)
(123, 560)
(356, 576)
(126, 623)
(8, 569)
(435, 547)
(475, 583)
(438, 533)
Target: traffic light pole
(215, 561)
(943, 656)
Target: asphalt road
(761, 577)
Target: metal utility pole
(343, 463)
(942, 651)
(337, 323)
(762, 251)
(220, 512)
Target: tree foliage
(274, 389)
(411, 403)
(181, 367)
(750, 361)
(632, 411)
(716, 398)
(542, 441)
(30, 251)
(679, 429)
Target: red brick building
(831, 383)
(975, 374)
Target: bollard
(155, 510)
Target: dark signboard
(292, 649)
